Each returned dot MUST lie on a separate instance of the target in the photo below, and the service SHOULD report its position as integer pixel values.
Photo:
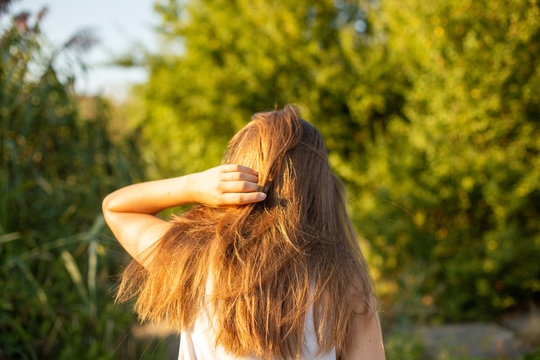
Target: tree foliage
(429, 110)
(240, 57)
(464, 160)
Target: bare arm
(130, 211)
(365, 340)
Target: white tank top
(198, 344)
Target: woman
(266, 266)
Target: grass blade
(9, 237)
(92, 274)
(75, 274)
(41, 295)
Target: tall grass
(57, 259)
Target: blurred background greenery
(430, 112)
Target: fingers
(237, 168)
(239, 185)
(243, 198)
(239, 176)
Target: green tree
(429, 111)
(464, 160)
(235, 58)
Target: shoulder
(364, 336)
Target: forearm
(129, 211)
(153, 196)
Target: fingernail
(261, 196)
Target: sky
(118, 24)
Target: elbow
(106, 204)
(108, 207)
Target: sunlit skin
(130, 213)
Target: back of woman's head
(268, 263)
(291, 159)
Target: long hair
(268, 262)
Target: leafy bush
(451, 191)
(403, 347)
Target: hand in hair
(228, 185)
(129, 211)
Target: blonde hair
(270, 260)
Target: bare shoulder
(364, 338)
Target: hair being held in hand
(268, 261)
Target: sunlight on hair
(268, 262)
